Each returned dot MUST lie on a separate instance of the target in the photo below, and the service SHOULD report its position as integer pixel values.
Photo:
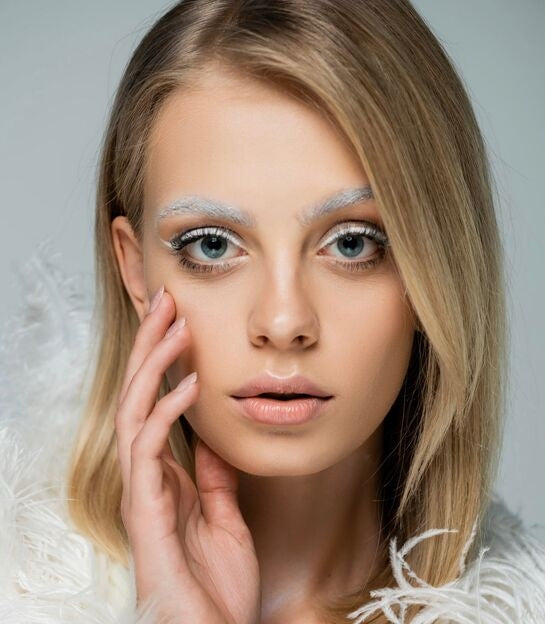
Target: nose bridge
(283, 310)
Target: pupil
(354, 244)
(214, 243)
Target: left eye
(212, 242)
(353, 239)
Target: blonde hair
(377, 72)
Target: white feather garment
(51, 574)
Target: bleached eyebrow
(214, 208)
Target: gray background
(60, 62)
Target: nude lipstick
(273, 400)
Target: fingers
(148, 445)
(217, 484)
(153, 352)
(144, 386)
(151, 330)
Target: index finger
(151, 331)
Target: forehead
(226, 145)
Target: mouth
(282, 397)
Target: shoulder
(504, 584)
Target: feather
(504, 584)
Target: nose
(283, 313)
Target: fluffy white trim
(504, 584)
(51, 574)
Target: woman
(293, 198)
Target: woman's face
(284, 299)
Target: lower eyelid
(230, 265)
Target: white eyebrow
(197, 204)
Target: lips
(273, 400)
(296, 411)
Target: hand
(191, 548)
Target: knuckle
(125, 514)
(140, 337)
(162, 407)
(137, 446)
(118, 419)
(148, 375)
(122, 389)
(143, 328)
(168, 404)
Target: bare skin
(286, 305)
(191, 547)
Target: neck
(315, 535)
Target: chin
(276, 457)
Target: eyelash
(363, 228)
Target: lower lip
(273, 412)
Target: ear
(131, 263)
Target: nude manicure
(186, 382)
(156, 298)
(175, 327)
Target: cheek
(209, 319)
(374, 344)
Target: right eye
(211, 241)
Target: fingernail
(156, 298)
(175, 327)
(186, 382)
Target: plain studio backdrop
(61, 60)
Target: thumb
(217, 484)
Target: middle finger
(141, 395)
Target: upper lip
(265, 382)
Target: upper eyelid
(234, 238)
(375, 231)
(198, 232)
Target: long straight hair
(375, 70)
